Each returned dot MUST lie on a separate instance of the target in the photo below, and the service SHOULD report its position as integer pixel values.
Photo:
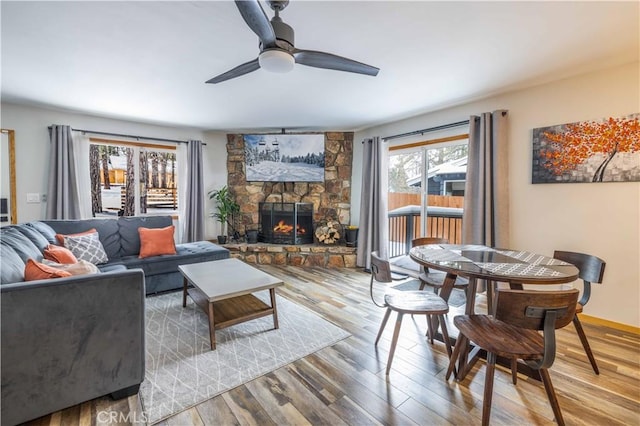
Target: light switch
(33, 197)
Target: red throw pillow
(59, 254)
(156, 241)
(39, 271)
(60, 237)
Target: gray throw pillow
(87, 247)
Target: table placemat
(532, 258)
(518, 269)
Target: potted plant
(226, 209)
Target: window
(130, 179)
(426, 191)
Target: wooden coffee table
(222, 288)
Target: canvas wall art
(606, 150)
(284, 157)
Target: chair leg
(514, 370)
(384, 323)
(585, 343)
(394, 341)
(430, 332)
(422, 285)
(454, 356)
(445, 334)
(551, 394)
(488, 388)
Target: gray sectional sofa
(69, 340)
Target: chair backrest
(380, 272)
(538, 310)
(380, 269)
(529, 308)
(591, 267)
(423, 241)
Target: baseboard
(588, 319)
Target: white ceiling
(148, 61)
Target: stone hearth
(301, 255)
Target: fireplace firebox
(286, 223)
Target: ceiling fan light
(276, 60)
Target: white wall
(600, 219)
(32, 150)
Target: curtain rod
(126, 136)
(430, 129)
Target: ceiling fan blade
(243, 69)
(317, 59)
(257, 20)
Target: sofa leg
(126, 392)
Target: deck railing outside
(404, 226)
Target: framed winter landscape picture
(284, 157)
(606, 150)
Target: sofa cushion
(128, 229)
(34, 236)
(20, 243)
(45, 230)
(59, 254)
(156, 241)
(39, 271)
(86, 247)
(107, 231)
(199, 251)
(12, 270)
(111, 267)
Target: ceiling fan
(277, 49)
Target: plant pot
(252, 236)
(222, 239)
(351, 237)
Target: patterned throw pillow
(87, 247)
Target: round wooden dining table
(478, 262)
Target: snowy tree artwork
(284, 157)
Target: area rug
(183, 371)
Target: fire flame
(285, 228)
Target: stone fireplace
(286, 223)
(330, 199)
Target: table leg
(470, 306)
(272, 294)
(212, 327)
(184, 293)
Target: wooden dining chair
(435, 279)
(513, 333)
(405, 302)
(591, 271)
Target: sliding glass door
(426, 192)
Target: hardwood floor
(346, 384)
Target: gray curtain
(486, 199)
(194, 202)
(63, 201)
(374, 224)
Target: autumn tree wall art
(588, 151)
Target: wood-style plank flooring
(345, 384)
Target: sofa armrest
(70, 340)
